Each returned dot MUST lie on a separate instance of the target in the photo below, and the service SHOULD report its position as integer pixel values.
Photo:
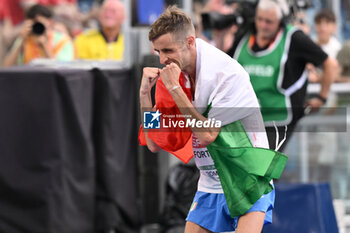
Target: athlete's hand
(150, 76)
(170, 75)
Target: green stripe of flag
(245, 172)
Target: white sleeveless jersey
(224, 85)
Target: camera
(214, 20)
(243, 14)
(38, 28)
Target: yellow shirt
(92, 45)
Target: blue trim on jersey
(210, 211)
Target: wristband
(174, 88)
(324, 100)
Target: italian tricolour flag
(245, 171)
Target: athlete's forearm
(205, 135)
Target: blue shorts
(210, 211)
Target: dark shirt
(302, 51)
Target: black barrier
(67, 151)
(116, 151)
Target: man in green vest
(275, 54)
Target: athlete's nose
(162, 58)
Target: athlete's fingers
(151, 71)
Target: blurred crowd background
(73, 33)
(68, 30)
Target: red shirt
(11, 9)
(54, 2)
(2, 9)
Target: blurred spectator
(14, 9)
(67, 12)
(54, 2)
(107, 42)
(220, 38)
(2, 10)
(67, 17)
(275, 54)
(85, 5)
(218, 6)
(325, 25)
(11, 17)
(88, 13)
(38, 39)
(300, 21)
(343, 58)
(2, 48)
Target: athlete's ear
(190, 41)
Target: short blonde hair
(173, 21)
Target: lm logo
(151, 120)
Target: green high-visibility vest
(266, 70)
